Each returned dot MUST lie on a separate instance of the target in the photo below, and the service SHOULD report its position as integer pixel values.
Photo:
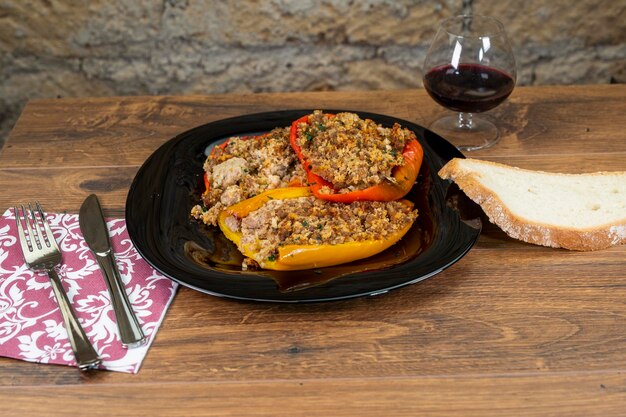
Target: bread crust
(532, 232)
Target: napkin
(31, 326)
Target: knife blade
(96, 234)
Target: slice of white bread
(571, 211)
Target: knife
(96, 235)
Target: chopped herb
(321, 127)
(320, 227)
(271, 258)
(394, 152)
(305, 223)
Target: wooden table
(511, 329)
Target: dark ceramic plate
(168, 185)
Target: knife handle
(84, 353)
(131, 334)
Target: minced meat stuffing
(245, 167)
(310, 221)
(349, 152)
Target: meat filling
(245, 167)
(310, 221)
(351, 153)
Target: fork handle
(84, 353)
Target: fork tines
(37, 233)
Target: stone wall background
(68, 48)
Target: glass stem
(465, 120)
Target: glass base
(466, 133)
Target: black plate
(168, 184)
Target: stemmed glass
(469, 68)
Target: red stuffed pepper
(348, 159)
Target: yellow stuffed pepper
(289, 229)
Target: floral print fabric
(31, 326)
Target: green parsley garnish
(305, 223)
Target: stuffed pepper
(244, 166)
(290, 229)
(349, 159)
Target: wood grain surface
(511, 329)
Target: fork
(42, 254)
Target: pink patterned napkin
(31, 326)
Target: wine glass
(469, 68)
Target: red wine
(470, 88)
